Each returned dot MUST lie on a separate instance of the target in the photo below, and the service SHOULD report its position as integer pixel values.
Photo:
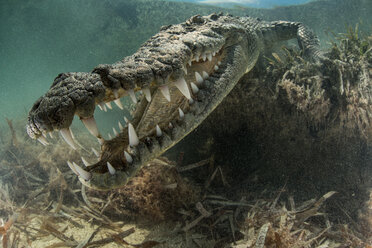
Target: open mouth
(194, 76)
(164, 116)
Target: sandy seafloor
(160, 232)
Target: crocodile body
(184, 72)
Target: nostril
(36, 104)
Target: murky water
(41, 39)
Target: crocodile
(183, 73)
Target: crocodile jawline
(151, 145)
(198, 62)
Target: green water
(41, 38)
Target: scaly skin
(224, 47)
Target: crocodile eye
(36, 104)
(214, 17)
(197, 19)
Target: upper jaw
(154, 65)
(160, 61)
(70, 94)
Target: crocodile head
(184, 72)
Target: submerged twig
(12, 131)
(47, 226)
(193, 166)
(88, 239)
(111, 239)
(305, 214)
(262, 235)
(224, 182)
(204, 214)
(4, 228)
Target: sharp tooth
(191, 101)
(128, 157)
(99, 106)
(147, 93)
(104, 107)
(111, 169)
(82, 173)
(100, 140)
(189, 62)
(209, 56)
(120, 126)
(170, 125)
(216, 67)
(109, 135)
(90, 124)
(72, 135)
(116, 93)
(115, 132)
(158, 131)
(108, 104)
(194, 88)
(197, 58)
(204, 57)
(133, 138)
(132, 96)
(219, 63)
(43, 140)
(182, 86)
(181, 113)
(214, 53)
(185, 70)
(126, 119)
(85, 162)
(95, 152)
(66, 134)
(118, 103)
(51, 135)
(165, 91)
(198, 78)
(205, 75)
(72, 167)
